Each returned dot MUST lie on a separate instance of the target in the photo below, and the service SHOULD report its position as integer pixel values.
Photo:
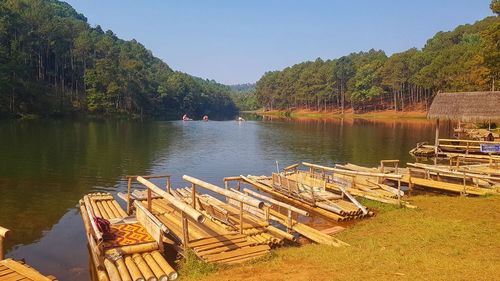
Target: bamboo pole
(182, 206)
(112, 271)
(3, 234)
(95, 209)
(122, 269)
(91, 216)
(144, 268)
(153, 265)
(238, 197)
(276, 202)
(129, 187)
(171, 273)
(133, 269)
(349, 172)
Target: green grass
(193, 268)
(446, 238)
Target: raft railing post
(129, 186)
(464, 181)
(3, 234)
(399, 192)
(193, 194)
(241, 217)
(289, 221)
(185, 230)
(149, 200)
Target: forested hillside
(244, 96)
(465, 59)
(52, 62)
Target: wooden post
(410, 185)
(465, 191)
(238, 184)
(193, 194)
(3, 234)
(436, 142)
(185, 231)
(226, 184)
(399, 193)
(149, 200)
(129, 186)
(241, 217)
(289, 221)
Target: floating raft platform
(224, 238)
(12, 270)
(134, 250)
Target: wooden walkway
(11, 270)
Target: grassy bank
(447, 238)
(386, 114)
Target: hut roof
(466, 106)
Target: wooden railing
(468, 146)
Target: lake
(46, 166)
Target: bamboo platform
(134, 253)
(285, 220)
(452, 147)
(11, 270)
(466, 179)
(224, 238)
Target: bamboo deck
(266, 184)
(229, 236)
(135, 251)
(11, 270)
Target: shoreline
(349, 114)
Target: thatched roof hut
(466, 106)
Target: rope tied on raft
(104, 226)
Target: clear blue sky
(235, 41)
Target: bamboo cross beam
(276, 202)
(349, 172)
(230, 194)
(181, 205)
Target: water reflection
(47, 166)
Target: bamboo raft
(12, 270)
(475, 179)
(367, 183)
(134, 253)
(452, 147)
(310, 195)
(224, 238)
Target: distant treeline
(465, 59)
(53, 62)
(244, 96)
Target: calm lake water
(46, 166)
